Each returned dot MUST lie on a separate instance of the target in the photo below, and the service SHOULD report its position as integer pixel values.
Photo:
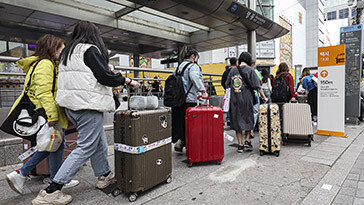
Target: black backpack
(280, 92)
(174, 93)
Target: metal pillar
(252, 36)
(136, 64)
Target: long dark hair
(47, 47)
(186, 52)
(265, 74)
(306, 72)
(84, 32)
(282, 68)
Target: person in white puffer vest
(85, 91)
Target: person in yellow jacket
(40, 93)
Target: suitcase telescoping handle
(202, 105)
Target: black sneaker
(248, 146)
(240, 148)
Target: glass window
(162, 21)
(3, 50)
(343, 13)
(103, 4)
(16, 49)
(267, 2)
(331, 15)
(267, 6)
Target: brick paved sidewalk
(352, 190)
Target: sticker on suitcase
(141, 149)
(275, 128)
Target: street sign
(351, 36)
(331, 91)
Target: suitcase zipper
(269, 129)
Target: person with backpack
(283, 86)
(181, 92)
(85, 91)
(266, 84)
(310, 86)
(40, 86)
(243, 81)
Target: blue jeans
(256, 110)
(91, 144)
(55, 161)
(228, 116)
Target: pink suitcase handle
(203, 105)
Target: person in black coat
(233, 63)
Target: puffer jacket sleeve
(43, 82)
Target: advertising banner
(331, 91)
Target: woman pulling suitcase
(193, 84)
(85, 91)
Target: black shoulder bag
(25, 121)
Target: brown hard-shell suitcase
(297, 123)
(269, 129)
(143, 156)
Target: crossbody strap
(183, 71)
(244, 78)
(247, 84)
(31, 74)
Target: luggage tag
(228, 137)
(27, 154)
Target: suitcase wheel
(219, 162)
(169, 180)
(46, 180)
(190, 164)
(116, 192)
(261, 153)
(277, 154)
(132, 197)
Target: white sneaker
(72, 183)
(105, 181)
(16, 181)
(57, 198)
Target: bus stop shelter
(152, 28)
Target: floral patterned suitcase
(269, 129)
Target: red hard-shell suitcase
(204, 134)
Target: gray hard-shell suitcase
(143, 156)
(297, 122)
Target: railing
(154, 70)
(13, 78)
(8, 59)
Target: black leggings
(178, 122)
(312, 100)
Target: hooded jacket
(40, 89)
